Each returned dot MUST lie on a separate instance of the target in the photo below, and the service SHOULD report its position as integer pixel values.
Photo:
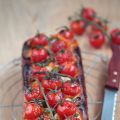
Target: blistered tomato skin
(58, 45)
(71, 89)
(115, 35)
(54, 98)
(96, 38)
(51, 84)
(78, 27)
(36, 72)
(70, 69)
(39, 55)
(34, 92)
(66, 109)
(63, 57)
(39, 40)
(32, 111)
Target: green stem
(64, 75)
(58, 74)
(63, 28)
(98, 26)
(42, 90)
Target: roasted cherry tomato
(68, 34)
(64, 56)
(39, 39)
(115, 35)
(96, 38)
(88, 13)
(39, 55)
(39, 76)
(54, 98)
(51, 84)
(66, 109)
(58, 45)
(32, 111)
(69, 69)
(33, 92)
(71, 89)
(78, 27)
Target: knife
(112, 85)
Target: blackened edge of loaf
(78, 52)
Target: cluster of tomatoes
(96, 28)
(54, 67)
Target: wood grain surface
(20, 19)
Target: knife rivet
(114, 80)
(115, 73)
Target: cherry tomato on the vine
(33, 92)
(115, 35)
(99, 23)
(39, 39)
(51, 84)
(54, 98)
(88, 13)
(70, 69)
(96, 38)
(66, 109)
(71, 89)
(78, 27)
(36, 72)
(58, 45)
(64, 56)
(32, 111)
(39, 55)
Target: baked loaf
(54, 85)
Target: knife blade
(112, 85)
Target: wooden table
(20, 19)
